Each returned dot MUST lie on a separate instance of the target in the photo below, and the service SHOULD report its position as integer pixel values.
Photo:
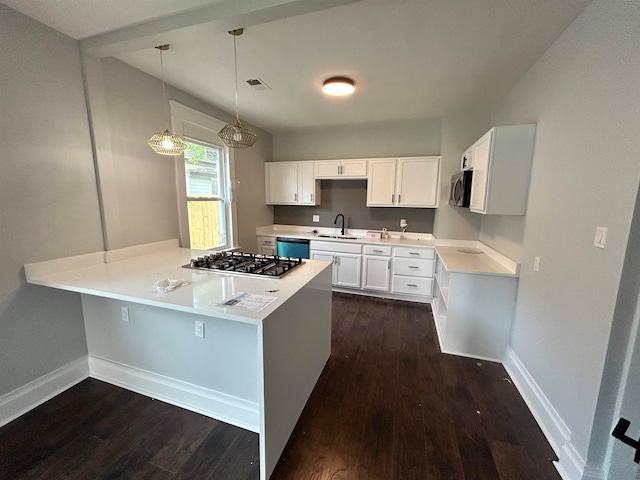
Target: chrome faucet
(335, 222)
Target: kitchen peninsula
(253, 369)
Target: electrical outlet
(316, 218)
(124, 313)
(536, 264)
(199, 329)
(403, 222)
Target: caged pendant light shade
(166, 143)
(237, 135)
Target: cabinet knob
(295, 197)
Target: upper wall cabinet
(501, 170)
(291, 183)
(403, 182)
(341, 169)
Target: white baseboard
(570, 463)
(227, 408)
(29, 396)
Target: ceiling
(410, 59)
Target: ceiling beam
(221, 16)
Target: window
(205, 180)
(206, 203)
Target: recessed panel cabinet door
(346, 270)
(377, 272)
(418, 182)
(282, 182)
(306, 184)
(381, 183)
(479, 184)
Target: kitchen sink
(342, 237)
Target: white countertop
(489, 262)
(474, 263)
(131, 278)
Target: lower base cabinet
(473, 313)
(376, 262)
(346, 258)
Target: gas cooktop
(246, 263)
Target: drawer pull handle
(412, 285)
(414, 253)
(378, 251)
(411, 266)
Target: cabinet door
(307, 191)
(418, 182)
(328, 169)
(282, 183)
(376, 273)
(353, 168)
(481, 166)
(346, 271)
(325, 257)
(381, 183)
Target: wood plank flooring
(388, 406)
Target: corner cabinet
(501, 170)
(403, 182)
(291, 183)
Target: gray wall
(400, 139)
(583, 94)
(139, 187)
(349, 197)
(48, 199)
(459, 131)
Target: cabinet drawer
(271, 241)
(267, 250)
(377, 250)
(412, 285)
(409, 252)
(413, 267)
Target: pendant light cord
(235, 63)
(164, 95)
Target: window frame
(198, 127)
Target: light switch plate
(316, 218)
(601, 237)
(536, 264)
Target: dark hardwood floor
(388, 406)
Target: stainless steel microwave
(460, 195)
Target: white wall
(139, 186)
(48, 198)
(584, 95)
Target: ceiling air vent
(258, 84)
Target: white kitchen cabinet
(341, 169)
(376, 273)
(403, 182)
(473, 312)
(501, 170)
(346, 258)
(291, 183)
(413, 269)
(267, 245)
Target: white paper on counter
(249, 301)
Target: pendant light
(237, 135)
(166, 143)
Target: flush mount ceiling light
(237, 135)
(166, 143)
(338, 86)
